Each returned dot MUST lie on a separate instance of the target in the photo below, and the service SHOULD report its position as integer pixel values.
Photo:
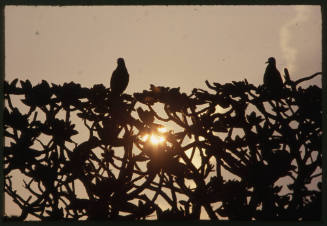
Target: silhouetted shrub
(232, 150)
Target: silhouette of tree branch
(238, 152)
(307, 78)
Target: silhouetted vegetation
(231, 152)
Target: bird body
(272, 78)
(120, 77)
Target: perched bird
(272, 79)
(119, 78)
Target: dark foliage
(232, 151)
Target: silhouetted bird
(120, 77)
(272, 79)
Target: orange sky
(163, 45)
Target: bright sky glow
(162, 129)
(155, 139)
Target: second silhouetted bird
(120, 77)
(272, 79)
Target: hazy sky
(162, 45)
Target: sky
(175, 46)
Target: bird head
(271, 60)
(120, 62)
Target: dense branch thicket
(234, 151)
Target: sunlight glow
(153, 138)
(145, 137)
(162, 129)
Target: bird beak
(267, 62)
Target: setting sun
(153, 138)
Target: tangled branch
(162, 154)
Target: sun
(155, 138)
